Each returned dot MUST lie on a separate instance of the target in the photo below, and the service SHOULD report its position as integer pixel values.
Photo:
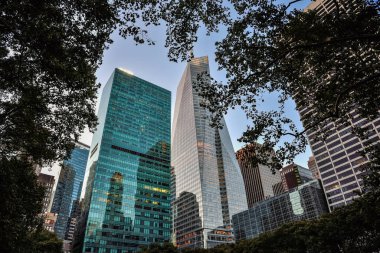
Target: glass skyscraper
(207, 176)
(69, 187)
(127, 200)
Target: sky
(152, 64)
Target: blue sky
(152, 64)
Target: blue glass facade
(78, 161)
(69, 187)
(127, 201)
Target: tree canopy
(50, 50)
(325, 61)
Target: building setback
(337, 158)
(260, 183)
(302, 203)
(127, 199)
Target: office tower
(127, 199)
(48, 182)
(294, 175)
(259, 181)
(304, 202)
(69, 187)
(207, 174)
(337, 158)
(62, 200)
(312, 164)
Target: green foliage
(44, 242)
(329, 62)
(21, 202)
(49, 52)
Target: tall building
(260, 183)
(48, 182)
(62, 199)
(127, 199)
(304, 202)
(337, 158)
(207, 174)
(69, 188)
(312, 164)
(294, 175)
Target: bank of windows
(335, 199)
(324, 162)
(338, 156)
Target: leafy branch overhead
(327, 62)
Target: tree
(329, 62)
(44, 242)
(49, 52)
(21, 204)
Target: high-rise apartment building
(127, 199)
(259, 181)
(69, 187)
(48, 182)
(304, 202)
(294, 175)
(337, 157)
(207, 176)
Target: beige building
(260, 183)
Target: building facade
(337, 157)
(204, 164)
(69, 187)
(259, 181)
(294, 175)
(312, 164)
(127, 199)
(62, 200)
(302, 203)
(48, 182)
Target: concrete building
(337, 157)
(259, 181)
(48, 182)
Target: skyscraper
(62, 199)
(260, 183)
(69, 188)
(207, 174)
(337, 158)
(127, 200)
